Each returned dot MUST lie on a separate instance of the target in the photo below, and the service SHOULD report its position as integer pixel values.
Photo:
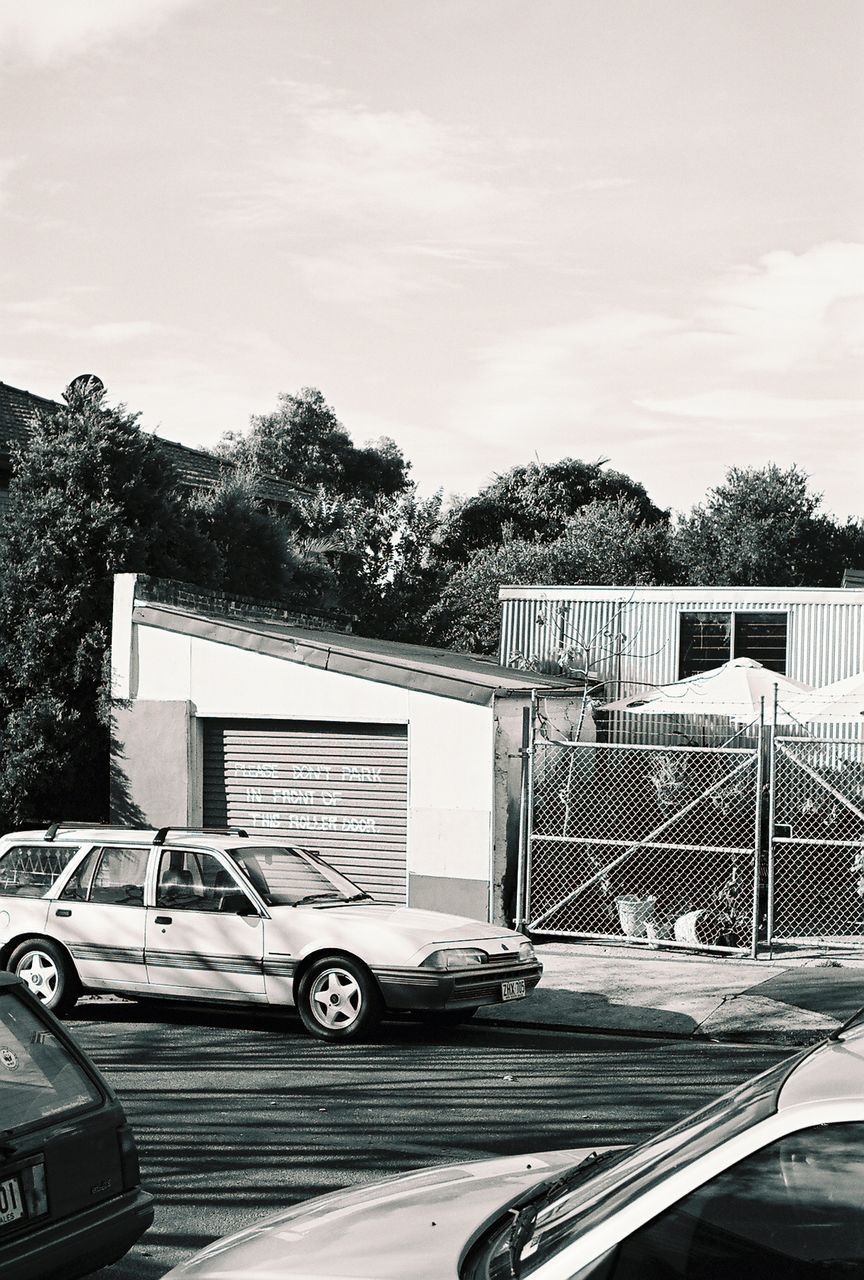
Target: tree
(91, 497)
(387, 575)
(763, 527)
(603, 543)
(360, 509)
(534, 503)
(252, 552)
(305, 444)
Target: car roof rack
(162, 834)
(54, 827)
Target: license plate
(513, 990)
(11, 1205)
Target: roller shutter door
(340, 789)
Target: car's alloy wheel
(49, 975)
(338, 999)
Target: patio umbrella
(737, 690)
(842, 700)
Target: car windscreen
(572, 1210)
(283, 875)
(39, 1077)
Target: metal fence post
(524, 807)
(758, 831)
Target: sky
(496, 231)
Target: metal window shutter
(340, 789)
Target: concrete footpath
(796, 997)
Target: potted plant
(669, 778)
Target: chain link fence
(816, 863)
(646, 842)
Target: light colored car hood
(382, 933)
(415, 1225)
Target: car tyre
(338, 999)
(48, 972)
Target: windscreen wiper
(525, 1218)
(318, 897)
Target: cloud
(345, 163)
(60, 317)
(364, 277)
(752, 406)
(394, 202)
(792, 310)
(54, 30)
(111, 333)
(760, 363)
(8, 166)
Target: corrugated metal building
(632, 637)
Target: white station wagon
(196, 914)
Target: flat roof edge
(312, 651)
(626, 595)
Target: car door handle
(163, 920)
(62, 911)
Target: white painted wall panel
(452, 843)
(450, 743)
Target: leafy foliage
(603, 543)
(534, 503)
(91, 497)
(387, 575)
(251, 552)
(360, 510)
(305, 444)
(763, 527)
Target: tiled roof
(194, 467)
(17, 411)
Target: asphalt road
(240, 1114)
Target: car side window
(77, 887)
(28, 871)
(194, 881)
(119, 877)
(793, 1209)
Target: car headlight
(455, 958)
(526, 951)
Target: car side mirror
(237, 904)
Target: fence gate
(816, 846)
(635, 840)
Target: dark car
(70, 1194)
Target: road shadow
(836, 992)
(239, 1113)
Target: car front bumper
(454, 989)
(79, 1244)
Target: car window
(794, 1209)
(119, 877)
(77, 887)
(28, 871)
(38, 1075)
(190, 880)
(283, 876)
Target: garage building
(400, 764)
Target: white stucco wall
(450, 743)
